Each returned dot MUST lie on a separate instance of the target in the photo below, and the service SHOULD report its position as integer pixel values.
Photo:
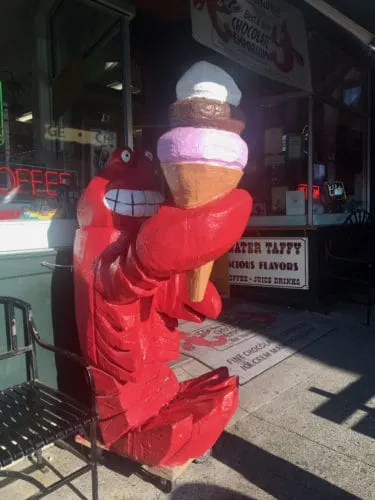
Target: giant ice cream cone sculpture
(203, 156)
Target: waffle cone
(193, 185)
(198, 280)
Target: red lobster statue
(130, 259)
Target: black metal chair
(350, 255)
(33, 415)
(359, 218)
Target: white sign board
(266, 36)
(270, 262)
(295, 203)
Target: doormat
(250, 340)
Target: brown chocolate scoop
(206, 113)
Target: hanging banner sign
(270, 262)
(266, 36)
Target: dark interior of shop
(341, 90)
(86, 75)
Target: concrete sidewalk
(305, 430)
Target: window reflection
(336, 76)
(277, 169)
(61, 105)
(339, 150)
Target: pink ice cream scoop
(203, 145)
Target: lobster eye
(126, 156)
(149, 155)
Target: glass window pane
(339, 140)
(86, 24)
(277, 168)
(61, 104)
(337, 76)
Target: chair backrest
(352, 237)
(15, 315)
(359, 218)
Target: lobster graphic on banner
(266, 37)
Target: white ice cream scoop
(207, 81)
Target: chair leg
(94, 462)
(40, 461)
(39, 458)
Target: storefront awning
(349, 17)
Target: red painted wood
(130, 289)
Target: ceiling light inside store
(27, 117)
(118, 86)
(110, 65)
(115, 85)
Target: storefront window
(23, 181)
(279, 133)
(337, 76)
(277, 170)
(61, 103)
(87, 26)
(338, 167)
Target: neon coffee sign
(32, 180)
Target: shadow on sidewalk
(349, 348)
(338, 408)
(272, 474)
(353, 352)
(202, 491)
